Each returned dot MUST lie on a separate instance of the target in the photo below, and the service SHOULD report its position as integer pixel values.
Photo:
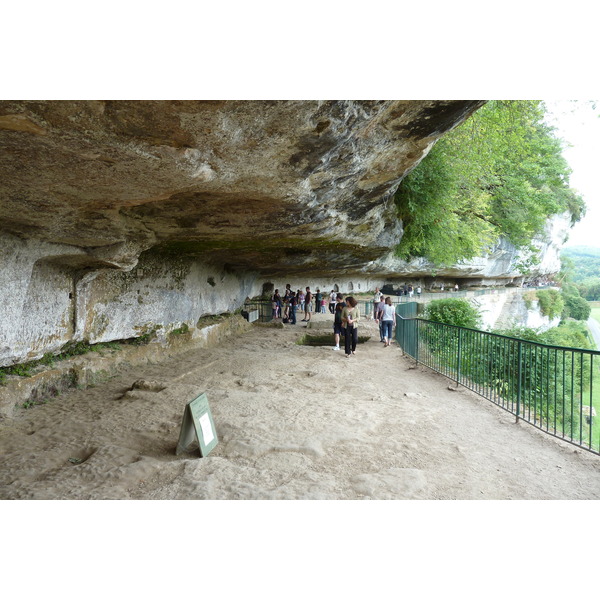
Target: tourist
(337, 320)
(300, 297)
(318, 299)
(376, 300)
(293, 303)
(388, 321)
(307, 305)
(276, 304)
(286, 300)
(379, 316)
(350, 318)
(332, 301)
(418, 291)
(456, 287)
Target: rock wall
(508, 309)
(501, 266)
(47, 300)
(89, 369)
(118, 217)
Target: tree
(501, 173)
(453, 311)
(589, 288)
(577, 308)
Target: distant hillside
(585, 261)
(582, 251)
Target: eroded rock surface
(118, 217)
(272, 186)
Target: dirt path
(294, 422)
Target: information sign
(197, 426)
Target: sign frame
(198, 426)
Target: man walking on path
(307, 305)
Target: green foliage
(551, 303)
(22, 370)
(501, 173)
(143, 339)
(569, 334)
(74, 349)
(567, 269)
(576, 308)
(453, 311)
(208, 320)
(523, 333)
(181, 330)
(580, 263)
(528, 298)
(589, 288)
(552, 381)
(581, 266)
(69, 350)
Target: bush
(570, 335)
(454, 311)
(577, 308)
(523, 333)
(551, 303)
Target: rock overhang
(271, 186)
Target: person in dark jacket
(337, 320)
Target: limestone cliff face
(499, 267)
(117, 217)
(271, 186)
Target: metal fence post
(458, 357)
(416, 322)
(519, 375)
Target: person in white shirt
(332, 301)
(388, 321)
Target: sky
(578, 123)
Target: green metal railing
(550, 387)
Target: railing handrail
(550, 387)
(508, 337)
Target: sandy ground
(294, 422)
